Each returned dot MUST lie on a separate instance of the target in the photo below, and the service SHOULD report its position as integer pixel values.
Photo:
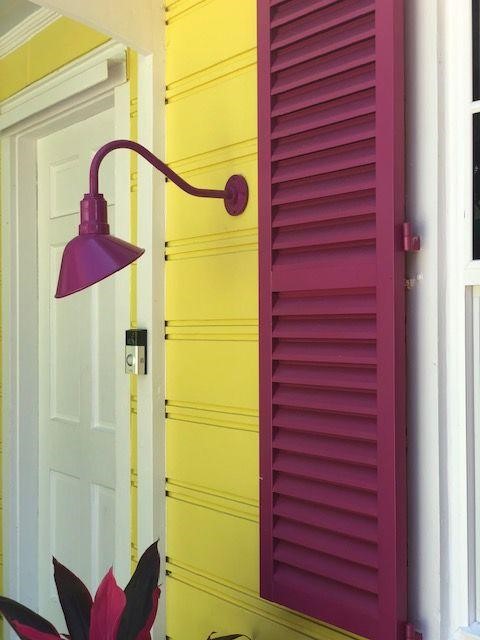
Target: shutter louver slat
(325, 114)
(332, 406)
(317, 517)
(357, 30)
(295, 9)
(334, 14)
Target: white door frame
(88, 85)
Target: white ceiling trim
(104, 65)
(26, 29)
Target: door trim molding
(19, 378)
(151, 315)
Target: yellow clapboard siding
(233, 557)
(14, 72)
(212, 334)
(215, 373)
(214, 31)
(225, 460)
(55, 46)
(196, 606)
(214, 116)
(204, 216)
(195, 282)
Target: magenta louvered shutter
(332, 318)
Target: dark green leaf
(12, 610)
(139, 593)
(75, 599)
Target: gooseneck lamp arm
(95, 254)
(235, 194)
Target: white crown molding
(26, 29)
(105, 65)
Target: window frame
(459, 282)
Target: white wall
(133, 23)
(422, 184)
(441, 540)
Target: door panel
(77, 403)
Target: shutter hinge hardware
(411, 282)
(411, 633)
(410, 242)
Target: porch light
(95, 254)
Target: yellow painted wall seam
(175, 487)
(132, 74)
(222, 409)
(212, 418)
(179, 8)
(196, 82)
(204, 162)
(214, 322)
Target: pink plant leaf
(107, 609)
(145, 632)
(24, 631)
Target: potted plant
(113, 614)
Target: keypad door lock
(136, 351)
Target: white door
(77, 403)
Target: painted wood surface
(212, 335)
(332, 312)
(60, 43)
(77, 391)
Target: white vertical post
(151, 310)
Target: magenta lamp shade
(94, 254)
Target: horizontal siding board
(332, 312)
